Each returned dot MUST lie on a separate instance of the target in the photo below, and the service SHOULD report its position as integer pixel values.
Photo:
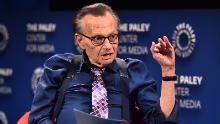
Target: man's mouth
(107, 54)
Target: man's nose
(107, 44)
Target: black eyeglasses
(99, 39)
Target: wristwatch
(169, 78)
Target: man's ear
(79, 41)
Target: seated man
(96, 87)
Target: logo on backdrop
(185, 90)
(132, 39)
(38, 72)
(184, 40)
(3, 37)
(3, 118)
(4, 74)
(39, 36)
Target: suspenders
(74, 65)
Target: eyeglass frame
(100, 36)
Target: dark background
(56, 5)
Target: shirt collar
(85, 64)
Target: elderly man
(96, 87)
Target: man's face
(103, 26)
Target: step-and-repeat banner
(27, 39)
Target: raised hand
(163, 52)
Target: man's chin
(106, 61)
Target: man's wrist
(168, 71)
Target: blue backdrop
(28, 38)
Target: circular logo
(3, 37)
(38, 72)
(3, 118)
(184, 40)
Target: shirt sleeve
(144, 89)
(55, 69)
